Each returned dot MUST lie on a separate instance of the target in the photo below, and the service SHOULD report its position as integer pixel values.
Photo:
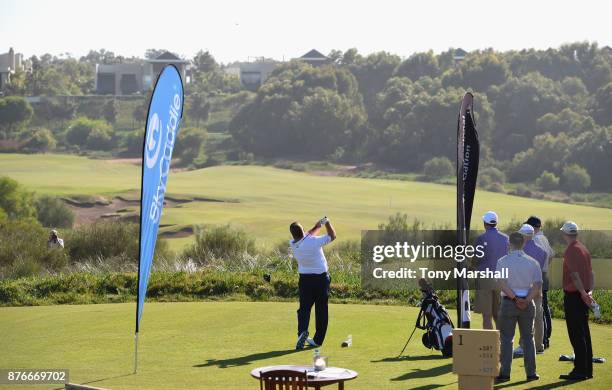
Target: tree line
(544, 116)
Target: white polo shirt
(309, 254)
(523, 272)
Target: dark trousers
(577, 321)
(314, 289)
(547, 317)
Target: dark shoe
(573, 376)
(502, 379)
(533, 377)
(301, 340)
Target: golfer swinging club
(314, 279)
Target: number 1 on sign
(460, 339)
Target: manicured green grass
(268, 199)
(70, 175)
(214, 345)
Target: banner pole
(135, 352)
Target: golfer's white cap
(570, 228)
(526, 230)
(490, 217)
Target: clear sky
(238, 29)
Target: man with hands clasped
(519, 290)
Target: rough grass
(268, 199)
(215, 345)
(210, 284)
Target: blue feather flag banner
(163, 121)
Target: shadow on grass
(99, 380)
(245, 360)
(418, 373)
(408, 359)
(429, 387)
(546, 386)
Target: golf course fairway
(264, 200)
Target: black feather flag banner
(468, 153)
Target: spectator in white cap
(54, 240)
(538, 254)
(496, 245)
(578, 281)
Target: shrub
(349, 250)
(105, 239)
(495, 187)
(79, 131)
(52, 212)
(100, 139)
(110, 111)
(23, 267)
(219, 242)
(41, 140)
(189, 145)
(20, 237)
(338, 154)
(547, 181)
(132, 144)
(576, 178)
(438, 167)
(15, 200)
(493, 174)
(23, 249)
(523, 190)
(15, 112)
(282, 248)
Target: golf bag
(437, 324)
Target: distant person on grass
(314, 280)
(578, 281)
(522, 285)
(54, 240)
(495, 244)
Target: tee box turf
(475, 382)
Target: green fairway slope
(265, 200)
(214, 345)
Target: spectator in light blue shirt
(495, 246)
(540, 239)
(539, 255)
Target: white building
(314, 58)
(131, 78)
(253, 73)
(9, 63)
